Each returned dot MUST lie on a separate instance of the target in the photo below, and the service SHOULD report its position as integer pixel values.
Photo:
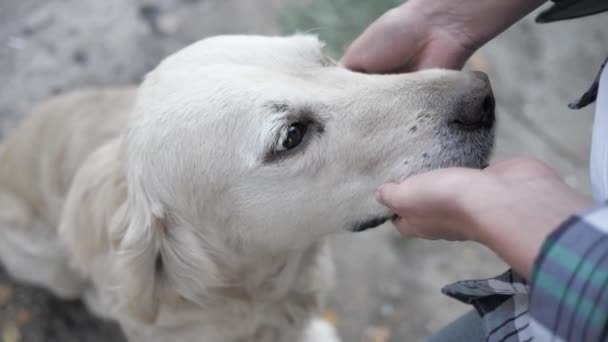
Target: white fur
(175, 220)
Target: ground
(388, 288)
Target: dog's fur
(174, 208)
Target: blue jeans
(465, 329)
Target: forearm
(518, 235)
(478, 21)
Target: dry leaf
(23, 317)
(5, 293)
(379, 333)
(330, 316)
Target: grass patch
(337, 22)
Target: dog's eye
(294, 136)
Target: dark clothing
(570, 9)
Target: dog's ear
(137, 235)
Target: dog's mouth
(372, 223)
(377, 221)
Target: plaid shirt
(567, 299)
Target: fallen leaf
(330, 316)
(23, 317)
(5, 293)
(378, 333)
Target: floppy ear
(137, 238)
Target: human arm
(424, 34)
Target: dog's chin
(371, 223)
(476, 160)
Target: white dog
(195, 208)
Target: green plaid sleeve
(569, 287)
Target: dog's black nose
(475, 107)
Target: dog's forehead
(240, 68)
(292, 52)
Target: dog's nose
(475, 108)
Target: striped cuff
(569, 288)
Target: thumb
(430, 186)
(392, 195)
(445, 53)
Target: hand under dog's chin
(441, 161)
(479, 162)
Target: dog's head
(265, 144)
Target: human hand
(422, 34)
(510, 207)
(404, 40)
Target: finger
(360, 51)
(412, 189)
(444, 57)
(522, 168)
(392, 195)
(374, 57)
(403, 227)
(351, 59)
(428, 188)
(357, 53)
(381, 48)
(407, 230)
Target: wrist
(470, 22)
(516, 233)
